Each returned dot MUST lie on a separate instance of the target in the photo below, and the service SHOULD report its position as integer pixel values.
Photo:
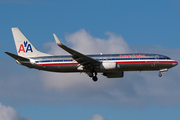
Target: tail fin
(23, 45)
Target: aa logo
(24, 47)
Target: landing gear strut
(160, 75)
(95, 76)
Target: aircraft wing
(79, 57)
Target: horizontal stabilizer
(16, 57)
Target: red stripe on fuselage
(145, 62)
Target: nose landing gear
(162, 70)
(160, 75)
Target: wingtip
(56, 39)
(6, 52)
(14, 28)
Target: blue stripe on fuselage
(103, 59)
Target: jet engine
(108, 66)
(118, 74)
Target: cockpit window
(167, 58)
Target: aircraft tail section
(23, 45)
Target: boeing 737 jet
(110, 65)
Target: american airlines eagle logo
(25, 48)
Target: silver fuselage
(124, 62)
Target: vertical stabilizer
(23, 45)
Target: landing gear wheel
(95, 78)
(160, 75)
(90, 74)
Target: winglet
(57, 40)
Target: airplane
(110, 65)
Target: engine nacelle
(118, 74)
(108, 66)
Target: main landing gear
(95, 78)
(93, 74)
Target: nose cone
(174, 63)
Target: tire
(160, 75)
(95, 78)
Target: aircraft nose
(174, 63)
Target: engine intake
(108, 66)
